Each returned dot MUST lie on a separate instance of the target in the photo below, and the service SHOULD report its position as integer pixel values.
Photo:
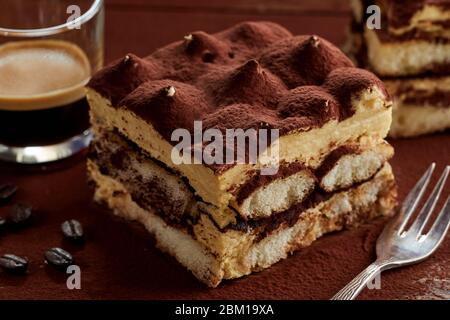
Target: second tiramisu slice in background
(225, 220)
(411, 53)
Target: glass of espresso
(48, 51)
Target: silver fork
(397, 246)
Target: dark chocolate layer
(438, 98)
(412, 96)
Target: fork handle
(354, 287)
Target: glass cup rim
(42, 32)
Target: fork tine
(427, 210)
(441, 225)
(413, 198)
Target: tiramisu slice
(411, 53)
(326, 168)
(414, 37)
(422, 105)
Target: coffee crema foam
(41, 74)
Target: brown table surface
(119, 261)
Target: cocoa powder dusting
(238, 78)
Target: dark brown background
(119, 261)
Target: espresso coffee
(42, 95)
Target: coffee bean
(13, 264)
(20, 214)
(2, 224)
(7, 191)
(58, 257)
(73, 230)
